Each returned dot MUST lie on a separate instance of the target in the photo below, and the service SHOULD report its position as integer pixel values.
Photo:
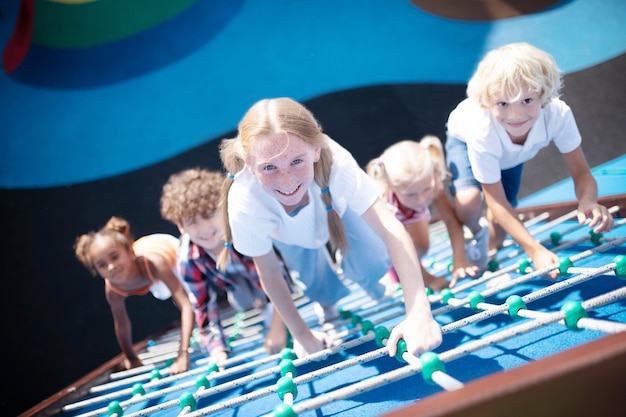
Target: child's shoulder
(466, 110)
(557, 108)
(468, 120)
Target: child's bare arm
(122, 327)
(419, 330)
(277, 335)
(586, 189)
(505, 216)
(419, 233)
(271, 276)
(181, 299)
(461, 267)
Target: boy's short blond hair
(504, 72)
(189, 193)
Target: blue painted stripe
(610, 176)
(55, 136)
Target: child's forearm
(124, 340)
(408, 267)
(507, 218)
(453, 225)
(586, 188)
(278, 293)
(457, 240)
(277, 320)
(274, 285)
(187, 323)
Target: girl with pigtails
(411, 176)
(291, 186)
(136, 267)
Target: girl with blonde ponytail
(411, 177)
(292, 187)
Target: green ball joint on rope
(284, 410)
(574, 311)
(286, 366)
(202, 382)
(286, 385)
(475, 298)
(523, 265)
(115, 409)
(430, 364)
(155, 374)
(515, 303)
(356, 320)
(288, 353)
(620, 266)
(382, 333)
(213, 368)
(187, 400)
(366, 327)
(493, 265)
(564, 265)
(446, 295)
(138, 389)
(595, 237)
(400, 350)
(555, 238)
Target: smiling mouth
(290, 193)
(207, 237)
(517, 124)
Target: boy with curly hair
(190, 200)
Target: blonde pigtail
(376, 169)
(435, 149)
(322, 177)
(233, 163)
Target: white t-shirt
(256, 217)
(490, 148)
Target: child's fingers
(582, 217)
(392, 342)
(605, 222)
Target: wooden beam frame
(558, 209)
(587, 380)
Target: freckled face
(518, 117)
(206, 232)
(418, 195)
(283, 165)
(112, 260)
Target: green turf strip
(72, 26)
